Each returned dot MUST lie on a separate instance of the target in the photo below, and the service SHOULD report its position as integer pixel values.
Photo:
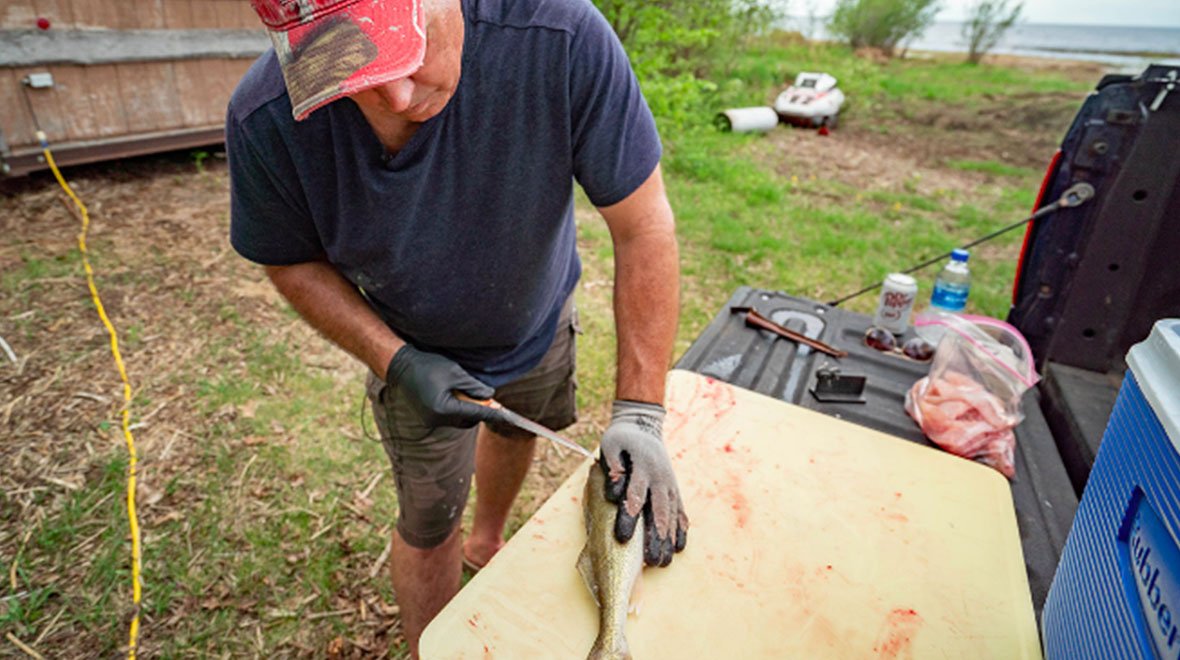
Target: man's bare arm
(647, 289)
(647, 304)
(334, 307)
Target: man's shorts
(432, 467)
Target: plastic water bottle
(952, 284)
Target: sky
(1146, 13)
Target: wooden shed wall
(128, 14)
(111, 100)
(157, 104)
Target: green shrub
(677, 47)
(883, 24)
(987, 21)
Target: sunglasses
(915, 348)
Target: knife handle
(486, 403)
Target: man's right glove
(429, 382)
(639, 479)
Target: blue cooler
(1116, 593)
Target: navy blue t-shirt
(463, 241)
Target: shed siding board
(178, 14)
(204, 14)
(44, 105)
(149, 13)
(73, 92)
(59, 12)
(149, 96)
(98, 87)
(115, 100)
(18, 125)
(193, 89)
(126, 15)
(106, 101)
(98, 14)
(232, 71)
(237, 15)
(17, 14)
(246, 16)
(120, 101)
(223, 77)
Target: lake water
(1122, 47)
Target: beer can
(897, 301)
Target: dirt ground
(171, 283)
(180, 298)
(1019, 131)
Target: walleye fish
(609, 568)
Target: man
(404, 172)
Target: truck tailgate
(755, 359)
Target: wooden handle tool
(756, 320)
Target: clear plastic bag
(970, 401)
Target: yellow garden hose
(136, 589)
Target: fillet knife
(524, 423)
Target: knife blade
(524, 423)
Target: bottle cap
(959, 254)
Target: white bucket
(743, 120)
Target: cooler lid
(1156, 364)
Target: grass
(744, 225)
(278, 471)
(284, 503)
(991, 167)
(742, 222)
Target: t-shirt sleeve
(615, 142)
(269, 223)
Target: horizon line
(1024, 23)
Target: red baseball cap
(331, 48)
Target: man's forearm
(647, 288)
(334, 307)
(647, 306)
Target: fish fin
(610, 649)
(586, 568)
(636, 602)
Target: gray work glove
(429, 382)
(639, 479)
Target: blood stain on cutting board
(728, 490)
(732, 490)
(890, 512)
(896, 636)
(711, 400)
(473, 622)
(894, 515)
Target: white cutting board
(811, 538)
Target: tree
(986, 24)
(882, 23)
(686, 35)
(676, 47)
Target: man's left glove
(429, 381)
(639, 479)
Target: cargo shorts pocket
(396, 419)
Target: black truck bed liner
(758, 360)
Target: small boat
(814, 100)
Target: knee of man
(427, 539)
